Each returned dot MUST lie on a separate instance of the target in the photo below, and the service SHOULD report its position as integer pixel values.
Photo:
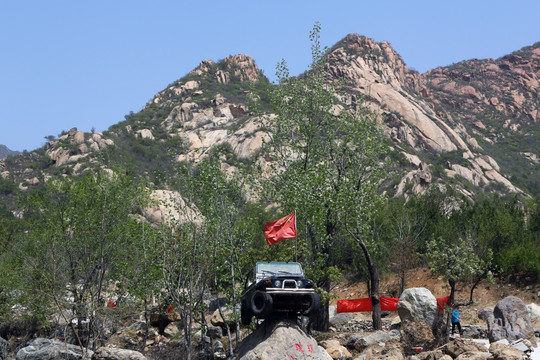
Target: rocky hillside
(474, 124)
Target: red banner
(356, 305)
(387, 304)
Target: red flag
(442, 302)
(280, 229)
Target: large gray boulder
(339, 320)
(280, 339)
(361, 341)
(508, 320)
(45, 349)
(418, 305)
(4, 349)
(110, 353)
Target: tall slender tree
(326, 163)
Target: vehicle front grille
(289, 284)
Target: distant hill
(5, 152)
(474, 124)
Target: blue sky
(86, 64)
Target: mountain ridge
(5, 151)
(436, 120)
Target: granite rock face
(508, 320)
(110, 353)
(280, 339)
(418, 304)
(46, 349)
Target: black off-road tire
(245, 314)
(261, 304)
(315, 307)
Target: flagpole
(295, 240)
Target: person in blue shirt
(455, 321)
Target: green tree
(186, 267)
(327, 165)
(204, 250)
(220, 199)
(455, 260)
(80, 233)
(405, 225)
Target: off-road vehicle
(278, 288)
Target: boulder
(228, 316)
(5, 348)
(215, 332)
(534, 311)
(392, 354)
(360, 342)
(109, 353)
(473, 355)
(430, 355)
(78, 138)
(217, 303)
(417, 334)
(336, 350)
(501, 351)
(474, 332)
(45, 349)
(418, 304)
(280, 339)
(508, 320)
(460, 346)
(341, 319)
(171, 330)
(144, 134)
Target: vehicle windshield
(279, 268)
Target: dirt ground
(485, 295)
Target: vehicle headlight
(278, 283)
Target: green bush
(7, 186)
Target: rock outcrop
(168, 206)
(5, 348)
(419, 305)
(509, 320)
(46, 349)
(280, 339)
(362, 341)
(417, 309)
(111, 353)
(472, 123)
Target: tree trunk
(374, 288)
(375, 298)
(401, 280)
(450, 303)
(475, 284)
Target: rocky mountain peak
(362, 53)
(240, 66)
(244, 67)
(207, 75)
